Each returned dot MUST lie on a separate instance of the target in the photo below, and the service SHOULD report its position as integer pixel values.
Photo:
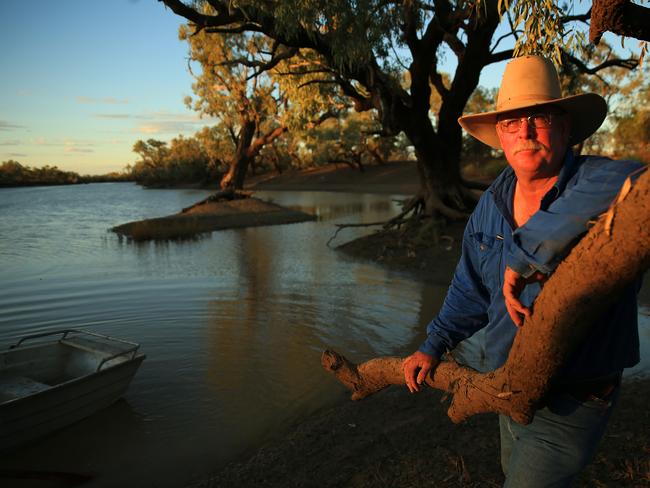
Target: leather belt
(593, 389)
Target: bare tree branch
(629, 63)
(239, 29)
(576, 18)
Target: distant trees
(185, 160)
(12, 173)
(631, 135)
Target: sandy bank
(211, 216)
(388, 178)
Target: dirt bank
(388, 178)
(395, 439)
(211, 216)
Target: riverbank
(395, 439)
(400, 178)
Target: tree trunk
(234, 178)
(611, 256)
(246, 152)
(438, 150)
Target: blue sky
(82, 80)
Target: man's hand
(513, 285)
(416, 368)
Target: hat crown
(527, 81)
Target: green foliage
(12, 173)
(352, 138)
(184, 161)
(541, 27)
(355, 30)
(240, 87)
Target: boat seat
(13, 387)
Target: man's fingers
(409, 375)
(416, 367)
(422, 375)
(517, 311)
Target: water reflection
(329, 208)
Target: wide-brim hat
(532, 81)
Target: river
(233, 323)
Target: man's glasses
(539, 121)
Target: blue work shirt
(585, 188)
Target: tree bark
(245, 153)
(611, 256)
(621, 17)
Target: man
(523, 226)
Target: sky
(83, 80)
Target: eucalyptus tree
(246, 104)
(256, 89)
(362, 44)
(150, 169)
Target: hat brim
(587, 112)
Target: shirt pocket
(489, 249)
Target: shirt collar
(566, 172)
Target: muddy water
(233, 324)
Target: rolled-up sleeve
(464, 310)
(550, 233)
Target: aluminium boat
(51, 380)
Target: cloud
(105, 100)
(17, 155)
(168, 123)
(148, 129)
(71, 146)
(112, 116)
(12, 142)
(4, 125)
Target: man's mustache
(530, 146)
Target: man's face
(534, 140)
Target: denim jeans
(559, 442)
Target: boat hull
(46, 387)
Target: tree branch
(576, 18)
(621, 17)
(202, 21)
(500, 56)
(239, 29)
(629, 63)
